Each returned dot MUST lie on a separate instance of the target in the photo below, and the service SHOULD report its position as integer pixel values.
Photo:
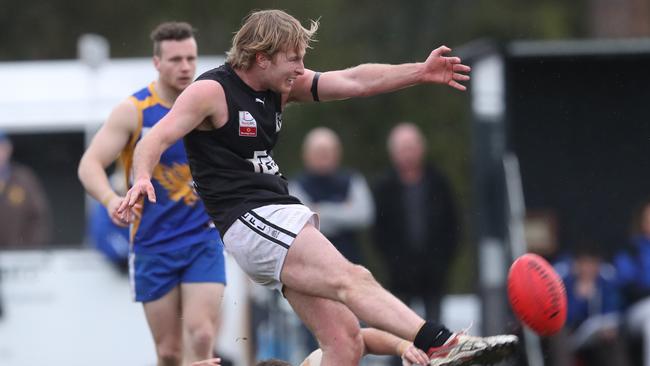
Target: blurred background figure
(340, 196)
(633, 266)
(25, 216)
(592, 334)
(416, 226)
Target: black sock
(431, 335)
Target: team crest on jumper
(247, 124)
(177, 180)
(278, 121)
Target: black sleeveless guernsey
(233, 167)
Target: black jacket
(411, 271)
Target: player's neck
(166, 92)
(250, 78)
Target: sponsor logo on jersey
(247, 124)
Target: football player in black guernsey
(230, 118)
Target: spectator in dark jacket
(416, 225)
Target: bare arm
(378, 342)
(372, 79)
(200, 101)
(103, 150)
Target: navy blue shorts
(154, 275)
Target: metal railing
(516, 211)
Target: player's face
(285, 67)
(176, 64)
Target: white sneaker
(462, 349)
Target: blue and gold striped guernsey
(178, 218)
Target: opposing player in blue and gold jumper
(176, 260)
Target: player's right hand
(140, 188)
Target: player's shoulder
(124, 115)
(215, 74)
(203, 90)
(211, 81)
(126, 108)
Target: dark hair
(176, 31)
(273, 362)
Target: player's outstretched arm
(372, 79)
(193, 106)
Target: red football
(537, 294)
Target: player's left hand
(208, 362)
(442, 69)
(414, 356)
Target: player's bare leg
(333, 324)
(314, 267)
(201, 304)
(163, 316)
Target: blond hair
(270, 32)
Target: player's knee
(354, 350)
(346, 345)
(169, 356)
(355, 277)
(201, 338)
